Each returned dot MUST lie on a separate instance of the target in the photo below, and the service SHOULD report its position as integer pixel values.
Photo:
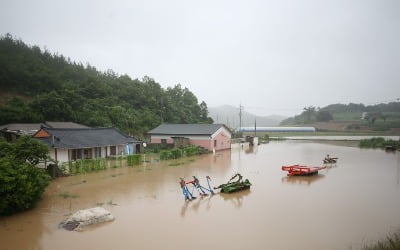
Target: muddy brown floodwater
(346, 206)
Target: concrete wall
(157, 139)
(223, 141)
(205, 143)
(62, 154)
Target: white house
(70, 144)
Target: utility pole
(240, 117)
(255, 127)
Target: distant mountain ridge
(229, 115)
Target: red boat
(301, 170)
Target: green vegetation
(379, 142)
(157, 147)
(87, 165)
(22, 183)
(265, 138)
(39, 86)
(66, 195)
(174, 164)
(390, 243)
(380, 117)
(177, 153)
(134, 159)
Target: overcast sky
(273, 57)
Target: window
(79, 154)
(163, 141)
(87, 153)
(73, 155)
(113, 150)
(97, 152)
(215, 143)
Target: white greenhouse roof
(278, 129)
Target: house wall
(62, 154)
(222, 136)
(158, 138)
(205, 143)
(223, 141)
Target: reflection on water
(345, 205)
(341, 137)
(303, 180)
(194, 205)
(236, 198)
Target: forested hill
(38, 86)
(382, 116)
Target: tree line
(41, 86)
(312, 114)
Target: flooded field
(346, 206)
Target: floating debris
(86, 217)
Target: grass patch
(66, 195)
(174, 164)
(133, 160)
(391, 242)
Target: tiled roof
(64, 125)
(21, 128)
(85, 137)
(186, 129)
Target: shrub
(378, 142)
(176, 153)
(87, 165)
(391, 242)
(133, 159)
(165, 155)
(191, 150)
(21, 182)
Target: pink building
(210, 136)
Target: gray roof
(85, 137)
(21, 128)
(64, 125)
(186, 129)
(31, 128)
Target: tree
(52, 87)
(22, 183)
(372, 116)
(204, 113)
(309, 112)
(324, 116)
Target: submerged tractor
(234, 184)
